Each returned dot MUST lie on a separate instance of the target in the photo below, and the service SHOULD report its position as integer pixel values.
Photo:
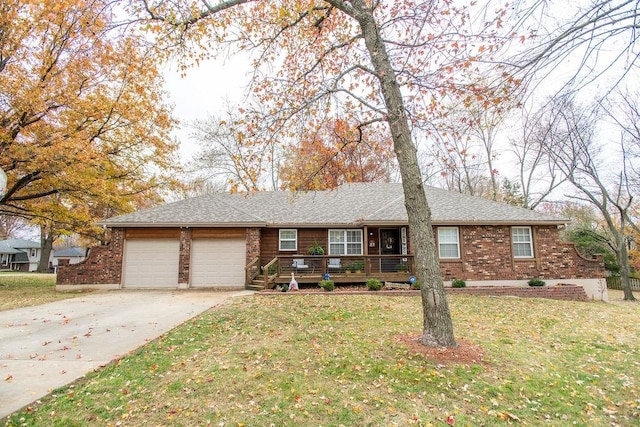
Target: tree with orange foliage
(336, 154)
(84, 129)
(383, 65)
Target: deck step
(256, 284)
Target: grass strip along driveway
(344, 360)
(27, 289)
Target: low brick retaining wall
(558, 292)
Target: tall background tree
(591, 51)
(466, 146)
(579, 44)
(225, 161)
(579, 153)
(537, 176)
(84, 127)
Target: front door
(389, 245)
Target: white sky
(204, 91)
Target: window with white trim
(522, 242)
(448, 242)
(288, 240)
(345, 242)
(34, 253)
(5, 259)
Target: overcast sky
(203, 91)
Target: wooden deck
(341, 269)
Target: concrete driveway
(47, 346)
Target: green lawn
(337, 360)
(27, 289)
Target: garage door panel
(151, 263)
(217, 263)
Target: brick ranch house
(233, 241)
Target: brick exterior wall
(253, 238)
(185, 256)
(103, 264)
(486, 254)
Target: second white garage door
(217, 263)
(151, 263)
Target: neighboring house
(19, 255)
(71, 255)
(227, 240)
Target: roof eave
(180, 224)
(321, 225)
(505, 222)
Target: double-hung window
(288, 240)
(345, 242)
(522, 242)
(448, 242)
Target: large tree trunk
(622, 256)
(46, 245)
(438, 327)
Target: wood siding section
(150, 233)
(307, 237)
(218, 233)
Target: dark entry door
(389, 245)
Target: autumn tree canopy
(336, 154)
(84, 126)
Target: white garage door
(151, 263)
(217, 263)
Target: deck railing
(319, 265)
(344, 269)
(252, 270)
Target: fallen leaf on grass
(505, 415)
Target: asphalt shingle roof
(351, 204)
(20, 244)
(6, 248)
(70, 252)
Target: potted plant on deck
(357, 266)
(316, 249)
